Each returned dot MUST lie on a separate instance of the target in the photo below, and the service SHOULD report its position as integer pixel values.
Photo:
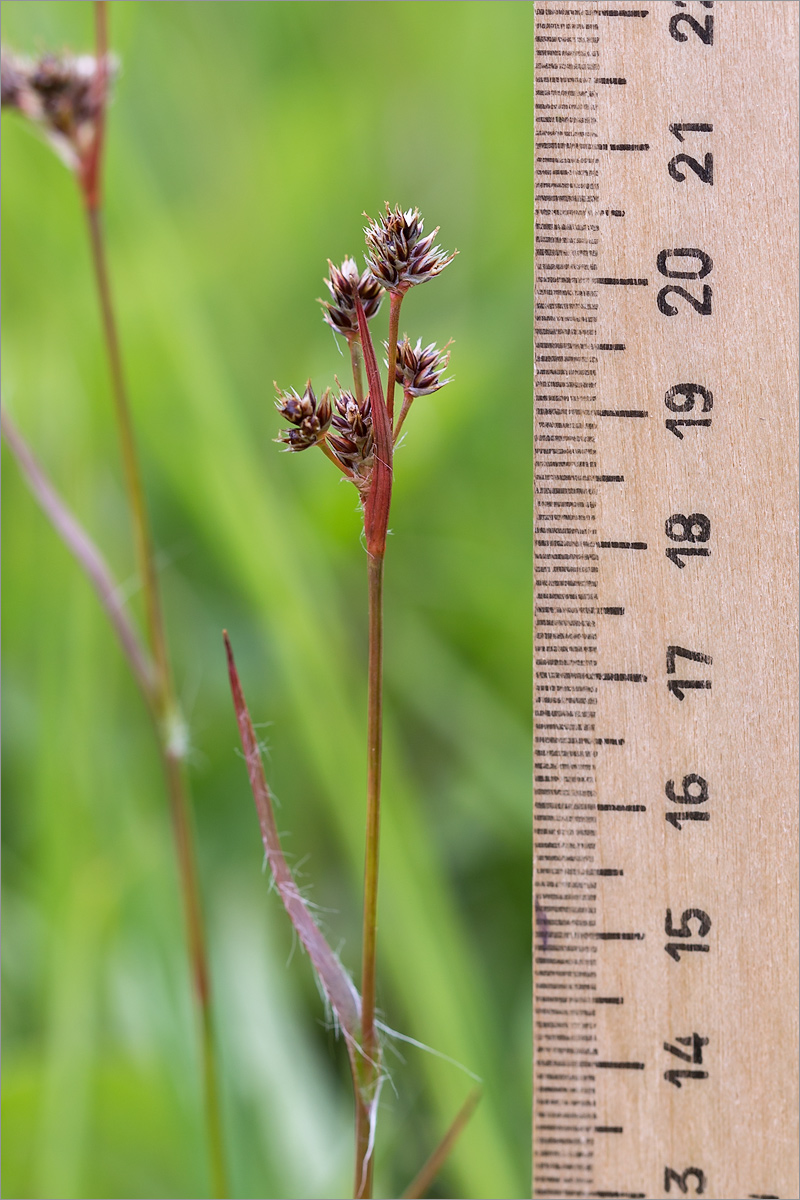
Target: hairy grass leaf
(336, 983)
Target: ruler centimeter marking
(665, 781)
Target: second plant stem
(369, 1040)
(168, 721)
(367, 1092)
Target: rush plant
(357, 431)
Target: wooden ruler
(665, 981)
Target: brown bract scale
(60, 93)
(344, 282)
(399, 255)
(309, 416)
(353, 442)
(419, 371)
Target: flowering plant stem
(376, 518)
(369, 1041)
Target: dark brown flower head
(343, 284)
(420, 371)
(399, 256)
(352, 442)
(59, 92)
(309, 416)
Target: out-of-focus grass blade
(419, 1186)
(85, 551)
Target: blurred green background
(244, 142)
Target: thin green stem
(369, 1039)
(394, 326)
(355, 359)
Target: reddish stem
(376, 508)
(407, 401)
(376, 520)
(394, 329)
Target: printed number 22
(681, 1180)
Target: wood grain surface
(615, 876)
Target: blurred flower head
(399, 255)
(344, 283)
(420, 371)
(60, 93)
(309, 416)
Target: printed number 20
(704, 267)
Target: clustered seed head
(341, 422)
(352, 443)
(60, 93)
(420, 371)
(344, 283)
(309, 416)
(399, 256)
